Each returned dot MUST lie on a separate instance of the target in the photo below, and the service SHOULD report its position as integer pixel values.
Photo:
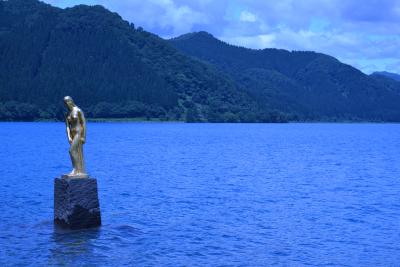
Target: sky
(362, 33)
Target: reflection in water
(71, 246)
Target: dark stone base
(76, 203)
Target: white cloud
(180, 18)
(256, 42)
(161, 16)
(247, 16)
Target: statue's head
(69, 102)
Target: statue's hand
(83, 140)
(69, 140)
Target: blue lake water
(207, 195)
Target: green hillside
(309, 85)
(116, 70)
(111, 68)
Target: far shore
(151, 120)
(158, 120)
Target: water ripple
(208, 194)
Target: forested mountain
(308, 85)
(116, 70)
(108, 66)
(391, 75)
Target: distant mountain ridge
(116, 70)
(307, 84)
(391, 75)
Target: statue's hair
(68, 99)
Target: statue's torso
(74, 121)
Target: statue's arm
(83, 125)
(68, 130)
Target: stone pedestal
(76, 203)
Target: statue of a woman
(76, 132)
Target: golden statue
(76, 132)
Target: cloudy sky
(363, 33)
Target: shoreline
(141, 120)
(136, 120)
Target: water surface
(208, 194)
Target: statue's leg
(72, 159)
(73, 152)
(81, 164)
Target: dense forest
(114, 69)
(111, 68)
(309, 85)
